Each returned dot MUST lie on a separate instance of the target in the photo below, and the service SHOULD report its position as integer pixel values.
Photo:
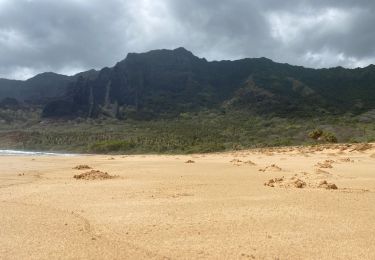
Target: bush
(316, 134)
(329, 137)
(320, 135)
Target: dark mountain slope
(168, 82)
(41, 87)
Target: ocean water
(31, 153)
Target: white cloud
(330, 58)
(21, 73)
(289, 28)
(72, 35)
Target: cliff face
(169, 82)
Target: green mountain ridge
(166, 83)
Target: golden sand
(160, 207)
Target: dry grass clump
(94, 175)
(82, 167)
(189, 161)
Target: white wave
(17, 152)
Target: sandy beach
(285, 203)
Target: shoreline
(272, 148)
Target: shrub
(319, 134)
(316, 134)
(329, 137)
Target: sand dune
(282, 203)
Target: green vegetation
(112, 146)
(207, 131)
(319, 134)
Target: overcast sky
(68, 36)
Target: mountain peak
(183, 51)
(46, 75)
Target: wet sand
(217, 206)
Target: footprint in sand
(320, 171)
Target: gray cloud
(73, 35)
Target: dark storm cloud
(72, 35)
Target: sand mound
(272, 182)
(189, 161)
(238, 162)
(272, 167)
(325, 185)
(281, 182)
(299, 184)
(93, 175)
(249, 162)
(326, 164)
(82, 167)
